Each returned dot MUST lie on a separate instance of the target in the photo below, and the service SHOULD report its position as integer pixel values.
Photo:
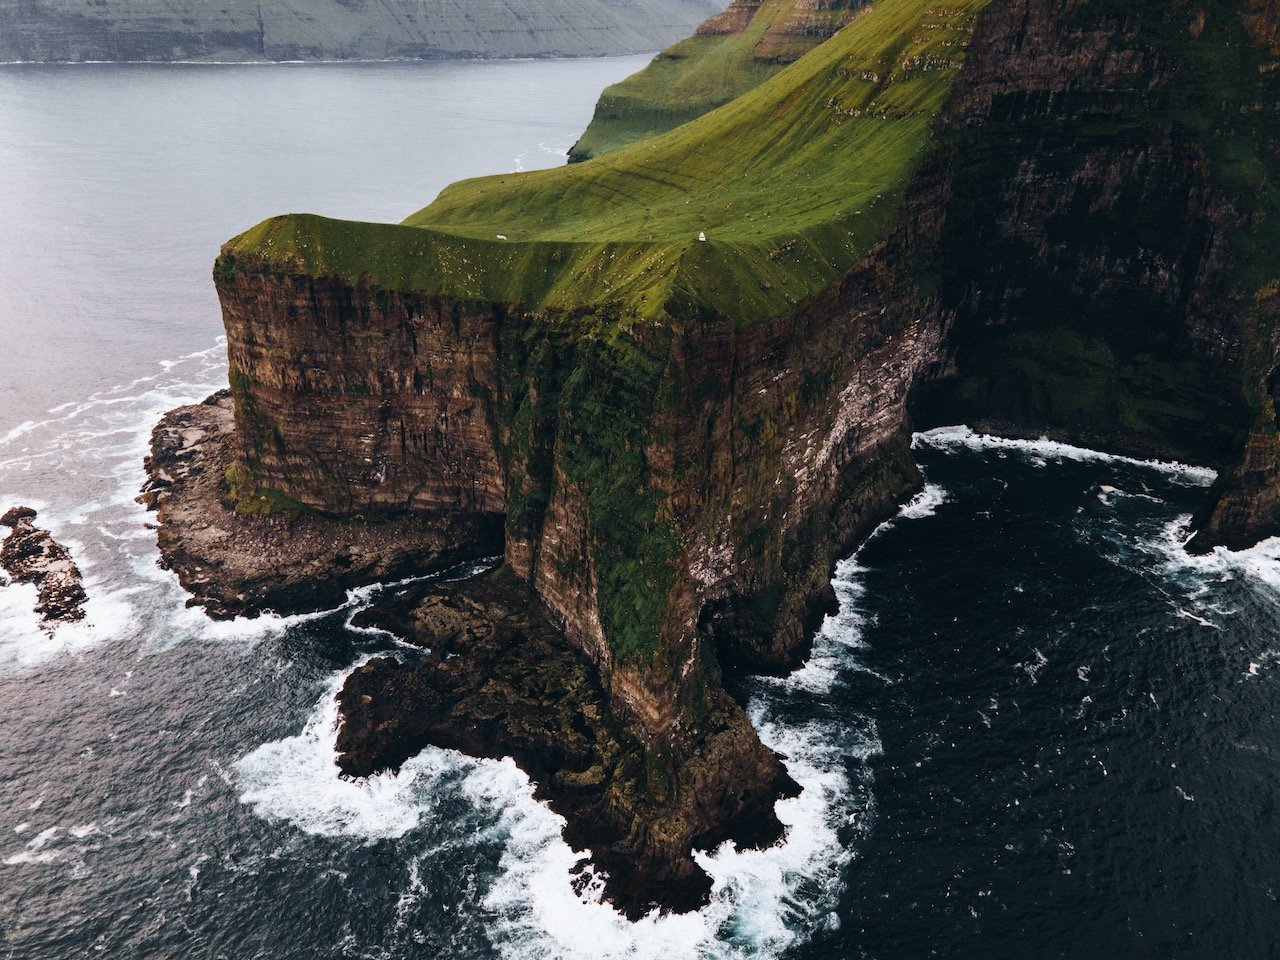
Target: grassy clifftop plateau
(790, 184)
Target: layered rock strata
(1109, 250)
(256, 30)
(766, 451)
(256, 554)
(30, 555)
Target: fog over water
(1036, 727)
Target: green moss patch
(245, 497)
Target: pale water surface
(118, 183)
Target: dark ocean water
(1037, 727)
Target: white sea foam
(1259, 564)
(25, 642)
(96, 446)
(297, 779)
(1264, 660)
(1039, 452)
(762, 901)
(34, 851)
(925, 503)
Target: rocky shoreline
(497, 677)
(498, 680)
(669, 480)
(237, 563)
(31, 555)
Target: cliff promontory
(684, 373)
(257, 30)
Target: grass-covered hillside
(789, 184)
(730, 54)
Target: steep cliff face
(500, 680)
(1110, 245)
(235, 30)
(683, 371)
(355, 399)
(666, 422)
(682, 433)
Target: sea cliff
(267, 30)
(685, 373)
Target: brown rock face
(766, 451)
(357, 399)
(1103, 252)
(770, 449)
(793, 33)
(276, 555)
(31, 555)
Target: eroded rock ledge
(499, 680)
(31, 555)
(274, 555)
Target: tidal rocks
(268, 552)
(31, 555)
(498, 679)
(1243, 506)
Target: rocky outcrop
(499, 680)
(763, 453)
(31, 555)
(1082, 247)
(264, 552)
(256, 30)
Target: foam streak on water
(1039, 452)
(95, 449)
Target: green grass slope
(790, 183)
(682, 83)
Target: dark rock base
(31, 555)
(237, 564)
(499, 680)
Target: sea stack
(1037, 217)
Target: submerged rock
(31, 555)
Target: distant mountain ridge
(275, 30)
